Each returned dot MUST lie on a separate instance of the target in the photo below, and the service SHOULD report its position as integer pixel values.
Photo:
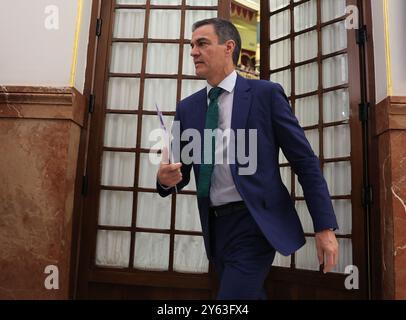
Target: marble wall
(391, 132)
(39, 140)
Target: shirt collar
(227, 84)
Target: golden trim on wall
(76, 43)
(387, 49)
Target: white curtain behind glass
(115, 208)
(130, 1)
(129, 23)
(202, 3)
(112, 248)
(280, 54)
(164, 24)
(306, 46)
(151, 251)
(277, 4)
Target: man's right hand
(169, 174)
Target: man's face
(209, 56)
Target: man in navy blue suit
(246, 217)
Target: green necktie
(212, 119)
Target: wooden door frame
(79, 258)
(80, 182)
(375, 235)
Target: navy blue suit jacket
(263, 105)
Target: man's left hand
(327, 249)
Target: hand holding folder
(169, 173)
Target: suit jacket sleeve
(291, 139)
(185, 169)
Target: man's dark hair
(225, 31)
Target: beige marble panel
(38, 161)
(398, 190)
(391, 131)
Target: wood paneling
(42, 103)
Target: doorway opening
(245, 15)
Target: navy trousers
(242, 256)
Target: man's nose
(194, 52)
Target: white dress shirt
(222, 189)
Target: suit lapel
(199, 116)
(241, 104)
(200, 111)
(241, 109)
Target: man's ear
(230, 46)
